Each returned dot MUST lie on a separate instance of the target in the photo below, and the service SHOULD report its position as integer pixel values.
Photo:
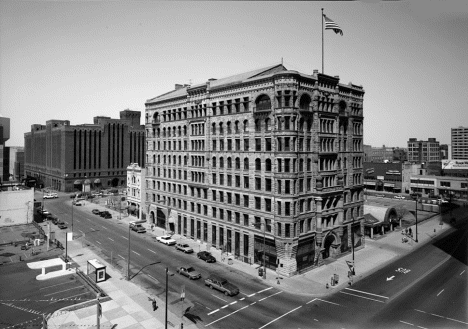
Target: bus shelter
(96, 270)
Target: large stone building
(136, 190)
(65, 157)
(423, 151)
(460, 143)
(384, 153)
(4, 153)
(270, 153)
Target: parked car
(221, 284)
(104, 213)
(62, 226)
(206, 256)
(166, 239)
(443, 201)
(107, 215)
(51, 196)
(380, 195)
(189, 272)
(137, 228)
(184, 247)
(401, 197)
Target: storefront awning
(87, 182)
(389, 184)
(77, 182)
(369, 183)
(97, 181)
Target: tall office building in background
(264, 162)
(460, 143)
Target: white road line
(420, 311)
(462, 272)
(440, 292)
(233, 303)
(326, 301)
(407, 323)
(421, 327)
(367, 293)
(279, 317)
(136, 253)
(253, 303)
(111, 239)
(70, 297)
(313, 300)
(120, 256)
(279, 292)
(98, 242)
(457, 320)
(213, 312)
(226, 316)
(264, 290)
(219, 298)
(58, 292)
(252, 294)
(81, 231)
(124, 237)
(224, 306)
(242, 298)
(361, 297)
(315, 320)
(440, 316)
(154, 252)
(58, 284)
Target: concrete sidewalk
(130, 307)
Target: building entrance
(160, 219)
(329, 240)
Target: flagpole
(322, 42)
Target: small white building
(135, 190)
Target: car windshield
(165, 237)
(185, 245)
(190, 269)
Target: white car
(401, 197)
(51, 196)
(166, 239)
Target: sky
(74, 60)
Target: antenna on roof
(190, 82)
(281, 60)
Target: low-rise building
(135, 190)
(429, 185)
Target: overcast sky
(77, 60)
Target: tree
(401, 212)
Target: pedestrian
(410, 231)
(152, 227)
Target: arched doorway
(329, 240)
(115, 182)
(160, 219)
(152, 217)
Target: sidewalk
(130, 308)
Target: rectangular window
(221, 179)
(237, 218)
(237, 196)
(278, 207)
(229, 215)
(229, 197)
(238, 145)
(238, 181)
(246, 144)
(246, 220)
(258, 183)
(246, 181)
(221, 145)
(287, 230)
(258, 144)
(268, 184)
(267, 144)
(221, 196)
(214, 144)
(287, 186)
(268, 205)
(229, 180)
(246, 201)
(258, 203)
(287, 163)
(213, 193)
(287, 208)
(213, 212)
(229, 145)
(214, 179)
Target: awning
(77, 182)
(87, 182)
(97, 181)
(389, 184)
(369, 183)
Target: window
(246, 181)
(229, 145)
(246, 163)
(287, 230)
(214, 178)
(267, 144)
(267, 165)
(445, 184)
(268, 184)
(258, 164)
(258, 203)
(246, 220)
(246, 144)
(246, 201)
(258, 183)
(238, 202)
(237, 215)
(287, 208)
(238, 147)
(258, 144)
(278, 207)
(213, 212)
(268, 205)
(221, 179)
(287, 186)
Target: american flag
(331, 25)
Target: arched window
(246, 126)
(221, 131)
(246, 163)
(257, 125)
(236, 127)
(258, 164)
(238, 163)
(228, 126)
(221, 162)
(268, 165)
(267, 124)
(263, 103)
(185, 130)
(304, 103)
(229, 163)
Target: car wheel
(207, 260)
(211, 287)
(226, 293)
(198, 256)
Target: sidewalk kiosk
(97, 269)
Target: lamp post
(264, 264)
(128, 263)
(167, 280)
(416, 215)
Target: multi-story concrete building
(16, 163)
(66, 157)
(460, 143)
(4, 154)
(135, 190)
(430, 185)
(264, 161)
(384, 153)
(423, 151)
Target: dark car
(104, 213)
(206, 256)
(189, 272)
(62, 226)
(221, 284)
(95, 211)
(107, 215)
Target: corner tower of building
(264, 162)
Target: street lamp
(128, 263)
(167, 275)
(158, 262)
(264, 265)
(416, 215)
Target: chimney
(178, 86)
(315, 72)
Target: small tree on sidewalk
(401, 212)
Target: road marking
(58, 284)
(462, 272)
(58, 292)
(81, 231)
(224, 306)
(219, 298)
(154, 252)
(253, 303)
(362, 297)
(251, 294)
(242, 298)
(233, 303)
(421, 327)
(367, 293)
(264, 290)
(111, 239)
(407, 323)
(315, 320)
(124, 237)
(280, 317)
(98, 242)
(457, 320)
(70, 297)
(313, 300)
(279, 292)
(151, 277)
(136, 253)
(213, 312)
(226, 316)
(326, 301)
(440, 316)
(120, 256)
(440, 292)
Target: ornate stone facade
(264, 162)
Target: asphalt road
(425, 289)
